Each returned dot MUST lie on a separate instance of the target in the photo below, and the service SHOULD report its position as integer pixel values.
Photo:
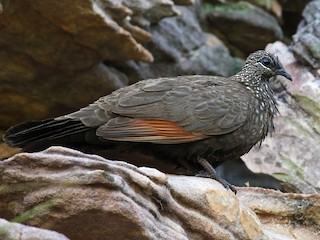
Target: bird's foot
(211, 173)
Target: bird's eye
(266, 61)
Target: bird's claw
(227, 185)
(211, 173)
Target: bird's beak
(282, 72)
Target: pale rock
(88, 197)
(16, 231)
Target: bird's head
(266, 64)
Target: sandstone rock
(88, 197)
(16, 231)
(6, 151)
(292, 152)
(278, 213)
(306, 43)
(53, 51)
(58, 57)
(242, 25)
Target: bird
(196, 121)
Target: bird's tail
(39, 132)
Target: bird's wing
(143, 130)
(172, 111)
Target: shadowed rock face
(88, 197)
(52, 53)
(54, 64)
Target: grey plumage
(186, 118)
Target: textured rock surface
(88, 197)
(284, 215)
(177, 52)
(51, 53)
(306, 42)
(243, 25)
(57, 48)
(16, 231)
(292, 153)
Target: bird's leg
(213, 174)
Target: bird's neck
(260, 88)
(264, 105)
(249, 77)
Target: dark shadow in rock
(237, 173)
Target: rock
(291, 16)
(67, 55)
(88, 197)
(242, 25)
(177, 52)
(277, 212)
(306, 43)
(6, 151)
(16, 231)
(294, 5)
(270, 5)
(292, 153)
(51, 53)
(184, 2)
(145, 13)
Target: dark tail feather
(35, 132)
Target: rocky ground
(88, 197)
(58, 56)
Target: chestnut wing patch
(142, 130)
